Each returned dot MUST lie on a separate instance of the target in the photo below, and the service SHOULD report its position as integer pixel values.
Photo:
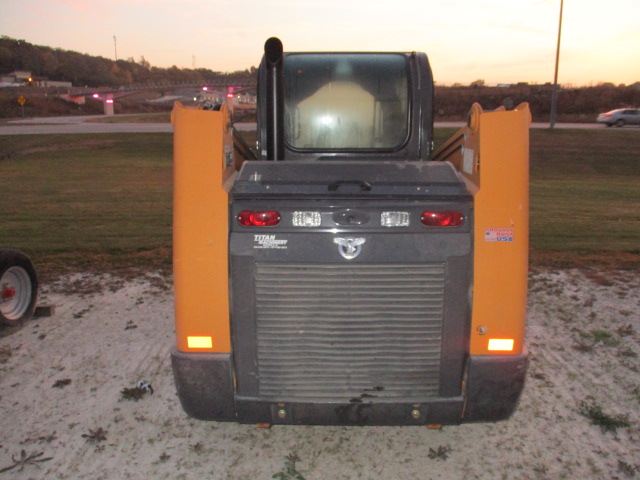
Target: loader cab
(350, 105)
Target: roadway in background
(83, 124)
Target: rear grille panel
(339, 332)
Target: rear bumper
(205, 387)
(204, 384)
(494, 384)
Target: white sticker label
(498, 234)
(269, 241)
(467, 161)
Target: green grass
(105, 200)
(585, 194)
(598, 417)
(79, 198)
(161, 117)
(441, 135)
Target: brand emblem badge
(349, 248)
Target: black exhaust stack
(275, 99)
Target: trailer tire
(18, 288)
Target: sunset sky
(499, 41)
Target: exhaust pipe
(275, 99)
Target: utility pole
(554, 94)
(115, 47)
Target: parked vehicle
(18, 288)
(620, 117)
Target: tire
(620, 123)
(18, 288)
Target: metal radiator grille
(336, 331)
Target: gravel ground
(64, 415)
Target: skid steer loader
(348, 274)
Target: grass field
(104, 201)
(161, 117)
(585, 196)
(83, 200)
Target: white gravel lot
(62, 377)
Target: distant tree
(6, 57)
(81, 69)
(49, 62)
(144, 63)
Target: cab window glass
(346, 101)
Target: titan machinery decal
(498, 234)
(269, 241)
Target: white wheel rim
(15, 293)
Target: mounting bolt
(415, 413)
(282, 413)
(482, 330)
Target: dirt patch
(62, 381)
(61, 267)
(5, 354)
(602, 263)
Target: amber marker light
(500, 344)
(199, 342)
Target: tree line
(575, 104)
(451, 102)
(87, 70)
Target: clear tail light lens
(394, 219)
(251, 218)
(442, 219)
(307, 219)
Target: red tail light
(250, 218)
(442, 219)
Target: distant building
(15, 79)
(21, 78)
(52, 83)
